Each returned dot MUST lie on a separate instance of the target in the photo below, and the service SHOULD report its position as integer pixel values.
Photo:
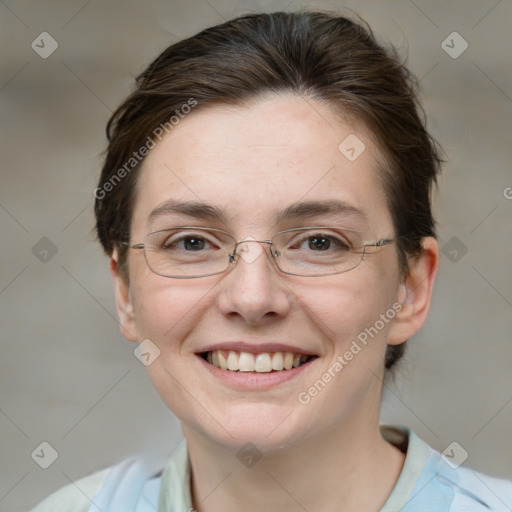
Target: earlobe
(415, 293)
(124, 305)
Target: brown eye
(319, 243)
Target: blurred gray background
(67, 376)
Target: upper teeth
(263, 363)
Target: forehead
(254, 162)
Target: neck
(330, 472)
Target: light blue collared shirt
(427, 483)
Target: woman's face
(252, 164)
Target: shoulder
(133, 484)
(439, 483)
(120, 487)
(463, 488)
(76, 496)
(476, 491)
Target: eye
(322, 242)
(193, 242)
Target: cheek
(349, 316)
(342, 312)
(166, 313)
(166, 310)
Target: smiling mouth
(265, 362)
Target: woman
(265, 204)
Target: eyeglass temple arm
(380, 243)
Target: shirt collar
(175, 495)
(417, 453)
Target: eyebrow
(189, 208)
(308, 209)
(296, 211)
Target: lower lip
(254, 380)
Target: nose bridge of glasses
(248, 250)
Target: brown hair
(326, 57)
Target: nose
(253, 290)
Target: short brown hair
(325, 57)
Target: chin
(266, 426)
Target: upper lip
(255, 348)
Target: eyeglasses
(187, 252)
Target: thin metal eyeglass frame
(232, 256)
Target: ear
(123, 301)
(415, 293)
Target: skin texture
(252, 162)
